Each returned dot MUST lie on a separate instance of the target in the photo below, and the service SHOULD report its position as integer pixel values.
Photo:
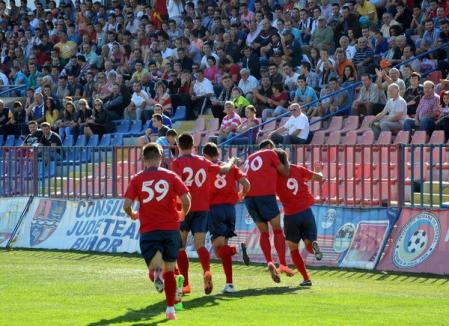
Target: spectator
(168, 143)
(51, 112)
(36, 109)
(224, 95)
(115, 103)
(368, 101)
(262, 95)
(229, 125)
(443, 120)
(4, 114)
(385, 79)
(312, 78)
(100, 122)
(49, 138)
(247, 83)
(305, 95)
(290, 78)
(156, 124)
(16, 124)
(139, 104)
(413, 93)
(340, 101)
(363, 56)
(163, 98)
(277, 104)
(69, 119)
(427, 112)
(295, 130)
(35, 135)
(84, 113)
(387, 22)
(323, 36)
(202, 91)
(239, 100)
(394, 113)
(251, 121)
(429, 38)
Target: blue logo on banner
(46, 220)
(417, 241)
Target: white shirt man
(296, 129)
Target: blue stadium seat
(105, 140)
(19, 142)
(68, 131)
(123, 127)
(93, 141)
(61, 132)
(181, 114)
(81, 141)
(117, 140)
(136, 129)
(2, 139)
(10, 141)
(68, 141)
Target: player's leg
(309, 231)
(155, 271)
(279, 244)
(183, 260)
(172, 243)
(151, 248)
(293, 235)
(299, 263)
(199, 230)
(222, 226)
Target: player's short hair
(185, 141)
(210, 149)
(151, 151)
(267, 144)
(172, 133)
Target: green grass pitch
(66, 288)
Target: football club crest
(328, 219)
(46, 220)
(417, 241)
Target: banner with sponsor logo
(351, 237)
(419, 243)
(97, 225)
(10, 212)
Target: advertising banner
(96, 225)
(10, 211)
(419, 243)
(351, 237)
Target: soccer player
(299, 222)
(193, 170)
(157, 190)
(262, 168)
(223, 197)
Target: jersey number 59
(160, 187)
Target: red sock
(279, 244)
(204, 257)
(183, 265)
(225, 254)
(151, 274)
(170, 288)
(265, 245)
(299, 263)
(309, 247)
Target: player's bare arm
(224, 169)
(244, 182)
(186, 201)
(127, 207)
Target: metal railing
(355, 175)
(350, 89)
(10, 90)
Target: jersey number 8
(160, 187)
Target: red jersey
(261, 168)
(293, 191)
(193, 170)
(223, 188)
(157, 190)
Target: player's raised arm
(284, 167)
(317, 172)
(224, 169)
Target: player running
(193, 170)
(262, 168)
(223, 197)
(299, 222)
(157, 191)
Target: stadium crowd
(85, 64)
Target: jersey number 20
(199, 178)
(160, 187)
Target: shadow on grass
(145, 315)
